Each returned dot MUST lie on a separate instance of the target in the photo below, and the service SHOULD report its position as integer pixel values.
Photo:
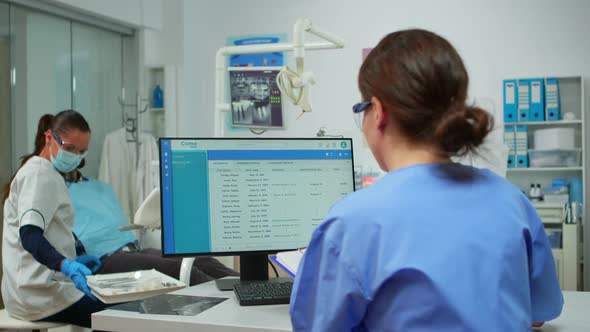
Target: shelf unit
(161, 121)
(572, 257)
(545, 169)
(549, 123)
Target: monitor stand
(252, 267)
(227, 283)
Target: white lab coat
(39, 197)
(146, 179)
(131, 180)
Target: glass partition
(42, 70)
(5, 127)
(5, 119)
(56, 65)
(98, 80)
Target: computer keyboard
(263, 292)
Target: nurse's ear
(380, 114)
(48, 137)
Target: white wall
(138, 13)
(497, 40)
(165, 46)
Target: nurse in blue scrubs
(433, 245)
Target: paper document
(289, 260)
(131, 286)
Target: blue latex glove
(91, 262)
(77, 272)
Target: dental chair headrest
(148, 214)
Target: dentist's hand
(91, 262)
(77, 272)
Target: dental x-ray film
(255, 97)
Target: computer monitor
(255, 97)
(249, 197)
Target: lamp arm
(298, 47)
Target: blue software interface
(239, 195)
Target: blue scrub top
(442, 247)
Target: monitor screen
(255, 97)
(228, 196)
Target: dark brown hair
(422, 83)
(60, 123)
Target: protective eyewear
(358, 111)
(69, 147)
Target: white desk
(575, 315)
(230, 316)
(224, 317)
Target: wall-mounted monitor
(255, 97)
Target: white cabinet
(567, 251)
(558, 257)
(569, 255)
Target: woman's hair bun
(462, 129)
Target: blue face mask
(65, 161)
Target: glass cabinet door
(41, 72)
(98, 80)
(5, 118)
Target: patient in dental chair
(98, 216)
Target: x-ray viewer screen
(255, 98)
(249, 195)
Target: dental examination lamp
(294, 84)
